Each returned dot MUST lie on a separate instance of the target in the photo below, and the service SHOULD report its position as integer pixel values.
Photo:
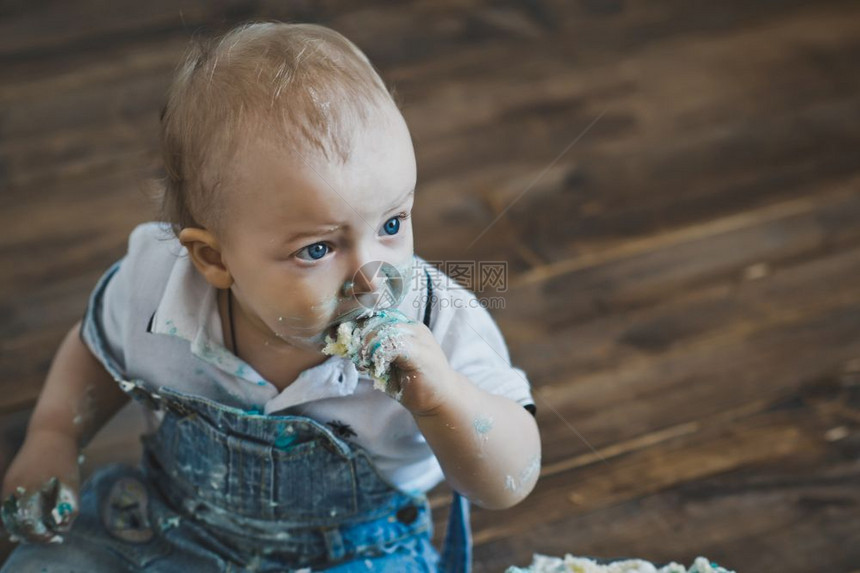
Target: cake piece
(376, 360)
(571, 564)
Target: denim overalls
(222, 490)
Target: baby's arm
(42, 483)
(488, 446)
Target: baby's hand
(419, 370)
(40, 490)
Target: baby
(290, 184)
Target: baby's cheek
(406, 269)
(286, 323)
(303, 317)
(321, 310)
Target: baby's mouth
(331, 331)
(348, 316)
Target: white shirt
(162, 326)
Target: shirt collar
(335, 377)
(189, 310)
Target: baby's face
(297, 228)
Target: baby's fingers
(41, 516)
(60, 505)
(380, 319)
(22, 516)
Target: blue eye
(316, 251)
(392, 226)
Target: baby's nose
(370, 278)
(377, 285)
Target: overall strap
(457, 548)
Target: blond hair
(302, 86)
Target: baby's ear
(205, 253)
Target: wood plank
(837, 415)
(669, 165)
(762, 518)
(786, 443)
(757, 251)
(767, 331)
(502, 104)
(719, 317)
(645, 472)
(701, 374)
(45, 30)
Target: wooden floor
(674, 185)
